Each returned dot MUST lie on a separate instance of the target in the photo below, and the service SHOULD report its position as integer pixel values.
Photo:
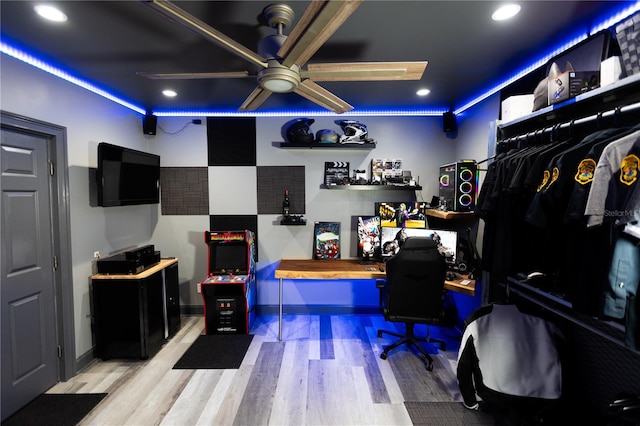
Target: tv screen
(392, 239)
(127, 177)
(369, 238)
(408, 214)
(230, 257)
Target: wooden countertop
(447, 214)
(144, 274)
(350, 269)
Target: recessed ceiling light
(507, 11)
(169, 93)
(423, 92)
(50, 12)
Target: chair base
(410, 339)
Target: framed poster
(326, 240)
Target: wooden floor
(325, 371)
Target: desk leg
(280, 310)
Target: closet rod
(612, 112)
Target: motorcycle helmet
(354, 131)
(298, 131)
(326, 136)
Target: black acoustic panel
(235, 222)
(231, 141)
(184, 190)
(273, 181)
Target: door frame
(61, 232)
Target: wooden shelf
(448, 215)
(287, 145)
(372, 187)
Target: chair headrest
(418, 243)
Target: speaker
(149, 123)
(449, 122)
(458, 186)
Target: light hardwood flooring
(325, 371)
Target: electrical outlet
(96, 255)
(199, 288)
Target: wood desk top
(144, 274)
(349, 269)
(448, 214)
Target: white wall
(89, 119)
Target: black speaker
(449, 122)
(149, 123)
(458, 186)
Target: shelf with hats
(316, 145)
(599, 103)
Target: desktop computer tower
(458, 186)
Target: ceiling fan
(280, 58)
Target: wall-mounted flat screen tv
(408, 214)
(127, 177)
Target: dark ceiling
(107, 42)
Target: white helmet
(354, 132)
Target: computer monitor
(406, 214)
(392, 239)
(369, 244)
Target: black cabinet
(134, 314)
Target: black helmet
(326, 136)
(354, 131)
(298, 130)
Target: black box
(571, 84)
(336, 172)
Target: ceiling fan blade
(321, 19)
(255, 99)
(194, 75)
(321, 96)
(365, 71)
(173, 12)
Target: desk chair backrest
(415, 282)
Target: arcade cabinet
(229, 292)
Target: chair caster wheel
(379, 334)
(383, 355)
(430, 367)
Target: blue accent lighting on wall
(30, 59)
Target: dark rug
(55, 409)
(215, 351)
(445, 414)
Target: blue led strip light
(628, 11)
(31, 60)
(299, 113)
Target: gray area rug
(445, 414)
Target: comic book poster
(326, 240)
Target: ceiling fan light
(279, 79)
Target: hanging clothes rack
(569, 124)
